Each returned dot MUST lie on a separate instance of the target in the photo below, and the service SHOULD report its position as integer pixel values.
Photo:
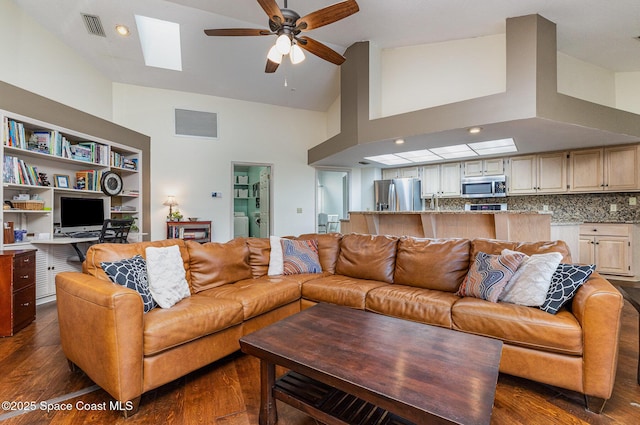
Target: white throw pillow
(530, 283)
(166, 274)
(276, 259)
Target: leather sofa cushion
(519, 325)
(439, 264)
(328, 249)
(258, 296)
(341, 290)
(369, 257)
(214, 264)
(416, 304)
(259, 255)
(117, 251)
(188, 320)
(495, 247)
(544, 247)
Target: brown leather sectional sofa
(105, 333)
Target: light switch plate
(613, 208)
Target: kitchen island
(519, 226)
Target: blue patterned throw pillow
(132, 273)
(300, 256)
(564, 284)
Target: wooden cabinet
(17, 290)
(483, 167)
(441, 180)
(609, 246)
(543, 173)
(199, 231)
(404, 172)
(606, 169)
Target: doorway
(332, 199)
(252, 189)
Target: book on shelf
(88, 180)
(81, 153)
(16, 171)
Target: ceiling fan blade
(272, 10)
(271, 66)
(237, 31)
(320, 50)
(327, 15)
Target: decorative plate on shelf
(111, 183)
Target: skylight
(160, 41)
(490, 147)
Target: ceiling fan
(288, 25)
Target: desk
(63, 241)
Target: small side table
(633, 296)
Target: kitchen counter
(506, 225)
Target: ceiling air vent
(93, 24)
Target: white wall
(192, 168)
(628, 91)
(419, 77)
(34, 60)
(586, 81)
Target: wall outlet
(299, 210)
(545, 208)
(632, 200)
(216, 194)
(613, 208)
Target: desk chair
(115, 230)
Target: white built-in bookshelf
(41, 163)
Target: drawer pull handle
(26, 260)
(26, 276)
(25, 305)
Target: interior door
(252, 191)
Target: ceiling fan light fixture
(274, 55)
(283, 44)
(296, 55)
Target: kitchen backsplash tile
(587, 207)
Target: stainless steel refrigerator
(397, 195)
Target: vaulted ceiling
(598, 31)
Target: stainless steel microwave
(484, 187)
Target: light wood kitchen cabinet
(484, 167)
(405, 172)
(543, 173)
(605, 169)
(441, 180)
(609, 246)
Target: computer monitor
(81, 214)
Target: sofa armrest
(598, 307)
(101, 331)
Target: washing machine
(240, 225)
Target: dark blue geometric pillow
(564, 284)
(132, 273)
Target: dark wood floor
(34, 369)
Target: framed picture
(61, 181)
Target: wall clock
(111, 183)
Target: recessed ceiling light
(399, 141)
(123, 30)
(475, 130)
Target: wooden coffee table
(351, 366)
